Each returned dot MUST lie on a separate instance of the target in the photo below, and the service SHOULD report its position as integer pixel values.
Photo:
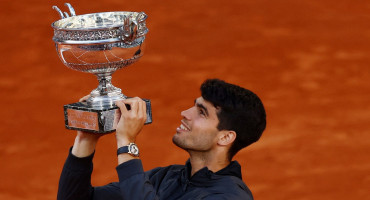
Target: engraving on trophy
(99, 43)
(82, 119)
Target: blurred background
(307, 60)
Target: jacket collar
(204, 176)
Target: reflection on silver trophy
(99, 43)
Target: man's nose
(186, 114)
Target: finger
(135, 107)
(131, 100)
(143, 110)
(84, 98)
(134, 104)
(121, 105)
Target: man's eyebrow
(201, 106)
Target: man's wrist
(84, 144)
(121, 141)
(124, 157)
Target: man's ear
(226, 137)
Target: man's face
(198, 130)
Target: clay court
(307, 60)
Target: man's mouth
(183, 127)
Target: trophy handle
(141, 17)
(59, 11)
(71, 9)
(65, 14)
(133, 29)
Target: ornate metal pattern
(97, 68)
(100, 43)
(62, 35)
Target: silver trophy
(99, 43)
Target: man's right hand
(131, 120)
(85, 142)
(130, 123)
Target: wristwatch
(131, 149)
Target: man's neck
(200, 160)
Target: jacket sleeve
(75, 180)
(133, 182)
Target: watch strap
(122, 150)
(130, 149)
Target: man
(225, 119)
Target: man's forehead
(204, 102)
(200, 100)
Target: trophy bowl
(100, 43)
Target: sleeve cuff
(129, 168)
(79, 164)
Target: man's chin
(176, 141)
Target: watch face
(134, 150)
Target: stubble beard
(177, 142)
(189, 147)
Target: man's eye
(201, 112)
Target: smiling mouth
(183, 127)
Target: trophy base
(82, 117)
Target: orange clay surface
(307, 60)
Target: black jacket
(172, 182)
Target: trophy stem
(105, 94)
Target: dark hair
(240, 110)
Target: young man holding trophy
(223, 120)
